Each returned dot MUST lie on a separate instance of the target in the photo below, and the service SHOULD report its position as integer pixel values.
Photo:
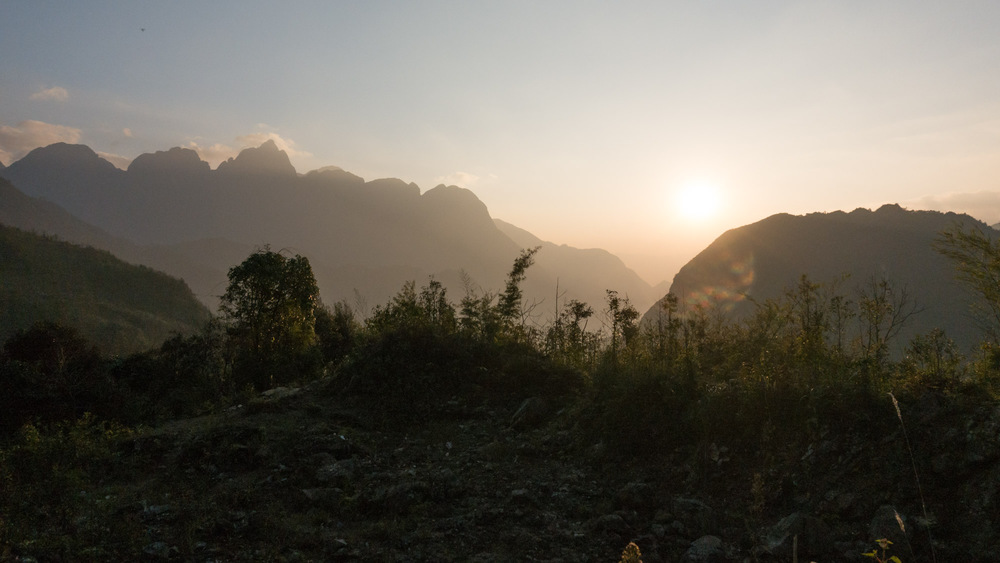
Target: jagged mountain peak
(175, 160)
(454, 197)
(64, 155)
(267, 159)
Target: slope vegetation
(121, 307)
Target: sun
(698, 201)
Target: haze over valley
(451, 281)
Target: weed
(916, 476)
(881, 557)
(631, 554)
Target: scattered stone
(706, 549)
(637, 495)
(340, 472)
(612, 523)
(160, 550)
(532, 412)
(281, 392)
(695, 517)
(810, 535)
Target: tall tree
(270, 304)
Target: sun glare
(697, 201)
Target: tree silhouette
(270, 306)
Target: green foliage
(417, 351)
(503, 321)
(269, 306)
(185, 375)
(622, 317)
(509, 306)
(50, 373)
(49, 479)
(410, 352)
(976, 256)
(881, 556)
(121, 307)
(567, 340)
(337, 329)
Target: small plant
(881, 557)
(631, 554)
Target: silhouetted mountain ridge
(174, 162)
(369, 236)
(760, 261)
(267, 160)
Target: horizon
(587, 127)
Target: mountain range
(364, 239)
(842, 251)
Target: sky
(644, 128)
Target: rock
(281, 392)
(813, 537)
(706, 549)
(612, 523)
(324, 497)
(637, 495)
(160, 550)
(530, 414)
(695, 517)
(523, 497)
(340, 472)
(397, 499)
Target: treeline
(692, 377)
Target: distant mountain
(759, 261)
(197, 263)
(119, 307)
(364, 239)
(599, 268)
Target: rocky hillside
(307, 474)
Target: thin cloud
(17, 141)
(127, 132)
(461, 179)
(213, 154)
(287, 145)
(118, 160)
(983, 205)
(218, 153)
(56, 94)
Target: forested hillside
(437, 430)
(120, 307)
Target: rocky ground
(302, 475)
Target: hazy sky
(579, 121)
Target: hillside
(201, 265)
(120, 307)
(363, 238)
(305, 474)
(431, 432)
(842, 251)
